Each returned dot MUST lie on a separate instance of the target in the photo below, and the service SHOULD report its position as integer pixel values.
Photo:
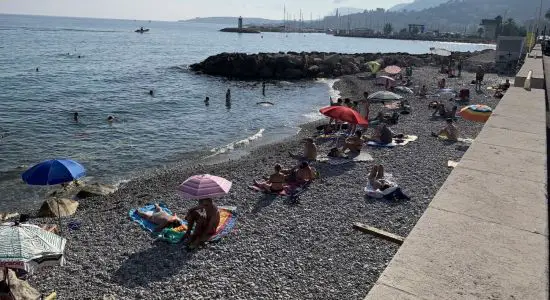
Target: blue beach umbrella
(55, 171)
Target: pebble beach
(280, 249)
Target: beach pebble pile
(280, 249)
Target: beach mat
(395, 142)
(361, 157)
(228, 220)
(460, 140)
(146, 225)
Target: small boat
(141, 30)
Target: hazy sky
(183, 9)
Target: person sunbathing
(382, 134)
(310, 149)
(275, 182)
(160, 218)
(376, 178)
(423, 92)
(450, 131)
(304, 173)
(202, 222)
(354, 143)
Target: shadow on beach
(155, 264)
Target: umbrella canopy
(384, 96)
(392, 69)
(440, 51)
(476, 112)
(404, 89)
(28, 247)
(345, 114)
(53, 171)
(374, 66)
(204, 186)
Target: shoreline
(279, 250)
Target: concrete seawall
(485, 234)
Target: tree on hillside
(480, 31)
(388, 28)
(510, 28)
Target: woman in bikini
(276, 181)
(160, 218)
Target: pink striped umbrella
(204, 186)
(392, 69)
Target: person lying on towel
(354, 143)
(160, 217)
(204, 218)
(275, 182)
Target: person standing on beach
(263, 88)
(479, 77)
(459, 68)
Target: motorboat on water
(141, 30)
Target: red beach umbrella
(392, 69)
(345, 114)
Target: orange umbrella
(476, 112)
(345, 114)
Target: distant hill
(451, 16)
(231, 20)
(417, 5)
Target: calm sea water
(113, 75)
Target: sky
(171, 10)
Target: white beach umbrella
(384, 96)
(27, 247)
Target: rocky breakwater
(293, 65)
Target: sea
(51, 67)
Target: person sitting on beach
(304, 173)
(450, 131)
(347, 102)
(505, 86)
(354, 143)
(160, 218)
(275, 182)
(423, 91)
(310, 149)
(382, 134)
(203, 219)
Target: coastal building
(491, 27)
(416, 28)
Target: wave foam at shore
(238, 144)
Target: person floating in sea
(228, 98)
(111, 119)
(75, 116)
(37, 69)
(207, 101)
(151, 92)
(263, 88)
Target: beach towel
(228, 220)
(146, 225)
(371, 192)
(174, 235)
(461, 140)
(395, 142)
(352, 157)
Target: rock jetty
(306, 65)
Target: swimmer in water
(75, 116)
(36, 69)
(110, 119)
(151, 92)
(207, 101)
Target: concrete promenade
(485, 234)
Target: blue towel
(147, 208)
(375, 144)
